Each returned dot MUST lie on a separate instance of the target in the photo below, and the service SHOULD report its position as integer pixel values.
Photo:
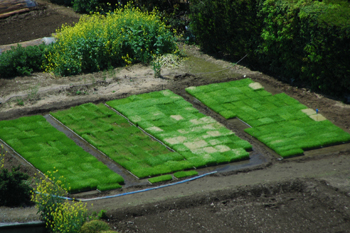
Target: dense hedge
(21, 61)
(300, 41)
(14, 190)
(229, 26)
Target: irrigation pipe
(133, 192)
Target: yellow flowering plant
(97, 42)
(59, 214)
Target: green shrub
(98, 42)
(14, 190)
(94, 226)
(20, 61)
(317, 32)
(229, 26)
(85, 6)
(160, 179)
(305, 42)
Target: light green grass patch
(181, 126)
(277, 120)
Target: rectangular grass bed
(49, 149)
(183, 174)
(160, 179)
(124, 143)
(279, 121)
(174, 121)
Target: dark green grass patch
(276, 120)
(125, 144)
(105, 187)
(49, 149)
(183, 174)
(160, 179)
(180, 126)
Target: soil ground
(309, 193)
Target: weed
(93, 79)
(33, 92)
(19, 101)
(111, 72)
(104, 75)
(102, 214)
(157, 67)
(13, 189)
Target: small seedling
(78, 92)
(157, 68)
(20, 101)
(33, 92)
(102, 214)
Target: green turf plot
(200, 139)
(126, 144)
(49, 149)
(281, 122)
(160, 179)
(183, 174)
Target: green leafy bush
(98, 42)
(21, 61)
(85, 6)
(300, 41)
(94, 226)
(228, 26)
(311, 40)
(14, 191)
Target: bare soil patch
(304, 194)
